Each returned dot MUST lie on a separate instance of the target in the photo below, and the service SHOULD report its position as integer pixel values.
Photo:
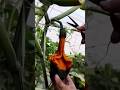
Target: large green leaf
(7, 47)
(65, 2)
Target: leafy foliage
(103, 78)
(14, 51)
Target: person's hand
(111, 5)
(81, 28)
(66, 84)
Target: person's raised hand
(66, 84)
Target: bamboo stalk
(43, 45)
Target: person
(66, 84)
(112, 6)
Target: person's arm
(66, 84)
(111, 5)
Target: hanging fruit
(60, 63)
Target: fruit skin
(65, 2)
(115, 36)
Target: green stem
(66, 13)
(43, 45)
(38, 47)
(40, 12)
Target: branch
(66, 13)
(40, 11)
(43, 45)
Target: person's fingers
(80, 28)
(69, 80)
(59, 82)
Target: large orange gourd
(60, 63)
